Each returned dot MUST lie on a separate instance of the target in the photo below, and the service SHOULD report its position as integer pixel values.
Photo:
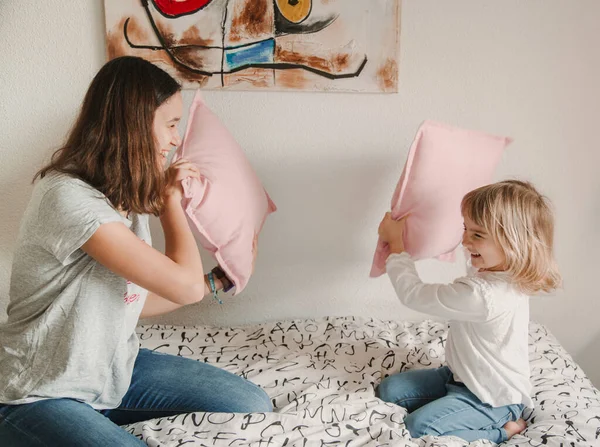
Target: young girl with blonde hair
(481, 393)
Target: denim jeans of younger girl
(161, 385)
(439, 406)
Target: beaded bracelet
(213, 288)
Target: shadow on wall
(587, 358)
(16, 190)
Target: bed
(321, 373)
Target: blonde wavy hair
(521, 221)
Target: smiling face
(166, 133)
(486, 253)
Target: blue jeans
(439, 406)
(161, 385)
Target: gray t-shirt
(71, 322)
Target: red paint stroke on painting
(175, 8)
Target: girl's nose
(176, 140)
(465, 239)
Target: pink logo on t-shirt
(131, 298)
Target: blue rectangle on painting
(257, 53)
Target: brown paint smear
(251, 19)
(256, 77)
(167, 34)
(387, 76)
(116, 45)
(334, 65)
(192, 37)
(295, 78)
(189, 56)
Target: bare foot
(515, 427)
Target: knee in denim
(259, 403)
(265, 402)
(382, 391)
(417, 427)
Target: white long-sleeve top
(487, 345)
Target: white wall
(330, 161)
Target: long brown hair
(111, 145)
(521, 221)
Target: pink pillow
(228, 205)
(444, 163)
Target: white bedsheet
(321, 375)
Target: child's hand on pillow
(392, 232)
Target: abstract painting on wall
(305, 45)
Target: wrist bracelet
(213, 289)
(220, 274)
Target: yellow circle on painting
(294, 10)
